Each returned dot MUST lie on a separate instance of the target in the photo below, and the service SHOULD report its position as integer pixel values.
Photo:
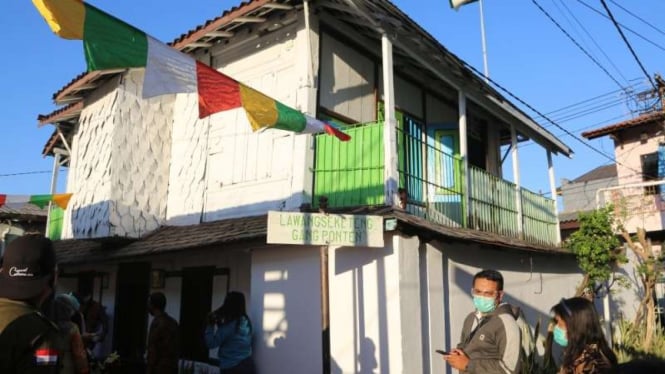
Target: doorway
(131, 314)
(195, 304)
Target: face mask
(484, 304)
(560, 336)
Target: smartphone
(442, 352)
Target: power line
(601, 96)
(609, 13)
(593, 40)
(576, 43)
(586, 112)
(603, 122)
(566, 131)
(625, 27)
(636, 16)
(29, 173)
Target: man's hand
(457, 359)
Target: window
(650, 172)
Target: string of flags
(110, 43)
(42, 201)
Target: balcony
(351, 174)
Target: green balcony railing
(352, 174)
(539, 218)
(493, 204)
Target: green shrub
(630, 343)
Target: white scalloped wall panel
(120, 164)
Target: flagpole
(484, 43)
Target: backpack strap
(23, 336)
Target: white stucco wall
(366, 331)
(119, 168)
(286, 309)
(534, 282)
(392, 307)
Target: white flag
(455, 4)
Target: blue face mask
(484, 304)
(560, 336)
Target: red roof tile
(68, 112)
(634, 122)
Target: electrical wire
(624, 26)
(576, 43)
(593, 40)
(601, 96)
(638, 17)
(29, 173)
(530, 107)
(623, 36)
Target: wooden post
(516, 178)
(550, 169)
(391, 174)
(464, 154)
(325, 311)
(325, 304)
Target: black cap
(27, 265)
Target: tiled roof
(68, 112)
(169, 239)
(634, 122)
(601, 172)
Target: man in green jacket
(27, 278)
(491, 339)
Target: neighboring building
(164, 200)
(15, 222)
(637, 144)
(639, 150)
(579, 195)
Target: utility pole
(660, 84)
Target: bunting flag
(110, 43)
(42, 201)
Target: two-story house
(639, 150)
(165, 201)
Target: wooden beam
(278, 6)
(199, 45)
(220, 34)
(248, 19)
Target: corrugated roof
(601, 172)
(27, 211)
(169, 239)
(163, 240)
(644, 119)
(568, 216)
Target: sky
(526, 53)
